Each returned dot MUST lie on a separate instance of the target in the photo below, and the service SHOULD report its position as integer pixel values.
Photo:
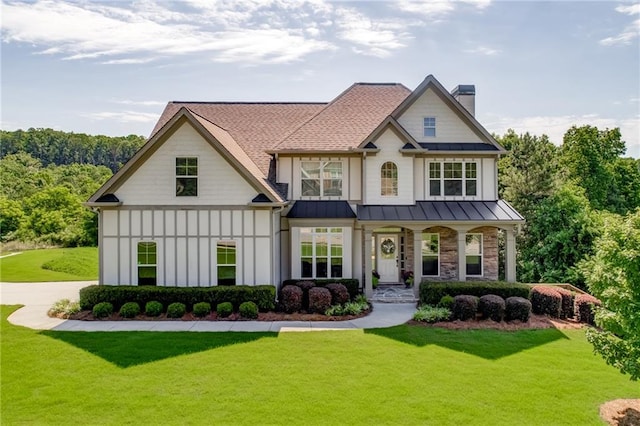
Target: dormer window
(186, 177)
(429, 127)
(389, 179)
(321, 178)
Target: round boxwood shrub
(339, 293)
(224, 309)
(291, 298)
(319, 300)
(546, 301)
(446, 302)
(585, 311)
(566, 304)
(153, 308)
(248, 310)
(517, 308)
(492, 306)
(465, 307)
(201, 309)
(129, 310)
(102, 310)
(176, 310)
(305, 286)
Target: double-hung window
(186, 177)
(473, 252)
(429, 125)
(321, 252)
(453, 178)
(430, 254)
(321, 178)
(226, 260)
(147, 263)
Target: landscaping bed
(535, 322)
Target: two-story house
(380, 178)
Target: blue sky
(110, 67)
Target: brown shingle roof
(347, 120)
(255, 127)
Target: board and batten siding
(186, 244)
(449, 126)
(154, 182)
(389, 145)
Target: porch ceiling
(442, 211)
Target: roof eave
(94, 204)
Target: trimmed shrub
(319, 300)
(339, 293)
(153, 308)
(201, 309)
(585, 311)
(465, 307)
(492, 306)
(517, 308)
(102, 310)
(249, 310)
(446, 302)
(353, 285)
(546, 301)
(262, 295)
(305, 286)
(431, 292)
(129, 310)
(224, 309)
(566, 305)
(291, 299)
(176, 310)
(428, 313)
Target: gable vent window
(429, 127)
(453, 179)
(321, 178)
(186, 177)
(389, 179)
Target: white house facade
(381, 178)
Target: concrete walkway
(38, 298)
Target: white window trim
(218, 265)
(196, 177)
(481, 254)
(382, 180)
(464, 178)
(426, 235)
(322, 164)
(139, 265)
(329, 257)
(425, 127)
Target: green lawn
(403, 375)
(68, 264)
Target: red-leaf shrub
(339, 293)
(517, 308)
(465, 307)
(319, 300)
(584, 308)
(546, 301)
(492, 306)
(291, 299)
(305, 286)
(566, 306)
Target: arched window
(389, 179)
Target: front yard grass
(60, 264)
(406, 375)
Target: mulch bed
(535, 322)
(621, 412)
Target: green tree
(613, 275)
(11, 216)
(624, 195)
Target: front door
(387, 255)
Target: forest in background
(568, 193)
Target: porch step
(393, 293)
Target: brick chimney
(466, 95)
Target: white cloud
(139, 103)
(435, 10)
(632, 9)
(483, 50)
(630, 32)
(129, 61)
(556, 126)
(124, 116)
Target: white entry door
(387, 255)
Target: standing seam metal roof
(441, 211)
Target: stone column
(462, 258)
(368, 283)
(417, 261)
(510, 255)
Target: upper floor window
(453, 179)
(389, 179)
(321, 178)
(429, 127)
(186, 176)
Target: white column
(368, 283)
(510, 256)
(417, 260)
(462, 258)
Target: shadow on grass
(127, 349)
(488, 344)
